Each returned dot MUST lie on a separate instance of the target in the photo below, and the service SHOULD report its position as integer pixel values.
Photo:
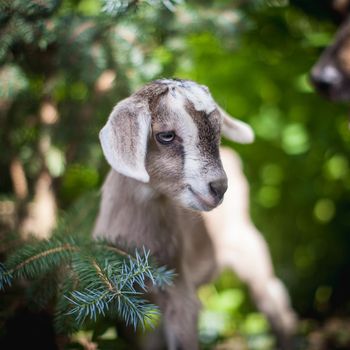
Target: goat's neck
(132, 212)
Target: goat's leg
(154, 340)
(249, 258)
(272, 299)
(180, 307)
(241, 247)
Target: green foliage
(117, 7)
(104, 277)
(116, 287)
(33, 260)
(21, 22)
(263, 79)
(86, 279)
(5, 277)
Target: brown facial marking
(152, 92)
(208, 130)
(164, 163)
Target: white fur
(236, 130)
(193, 171)
(197, 94)
(201, 99)
(189, 135)
(331, 74)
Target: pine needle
(104, 279)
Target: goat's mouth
(205, 204)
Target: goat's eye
(165, 137)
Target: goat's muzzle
(212, 197)
(327, 81)
(218, 188)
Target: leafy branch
(103, 278)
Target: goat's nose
(218, 187)
(321, 85)
(325, 79)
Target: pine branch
(87, 278)
(160, 277)
(39, 258)
(163, 277)
(39, 297)
(103, 279)
(120, 284)
(65, 323)
(5, 277)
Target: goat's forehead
(198, 95)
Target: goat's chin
(200, 207)
(198, 202)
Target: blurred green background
(64, 64)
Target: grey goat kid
(163, 146)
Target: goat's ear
(236, 130)
(124, 138)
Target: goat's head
(331, 74)
(168, 134)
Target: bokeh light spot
(324, 210)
